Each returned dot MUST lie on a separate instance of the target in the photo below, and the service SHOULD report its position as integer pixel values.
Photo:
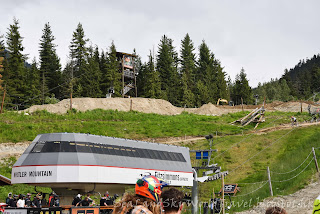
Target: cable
(295, 175)
(262, 150)
(282, 173)
(252, 191)
(253, 183)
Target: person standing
(8, 198)
(21, 201)
(76, 200)
(172, 201)
(36, 201)
(28, 200)
(84, 203)
(146, 199)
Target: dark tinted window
(86, 147)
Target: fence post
(315, 159)
(222, 179)
(269, 179)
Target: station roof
(104, 155)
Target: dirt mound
(158, 106)
(146, 105)
(293, 107)
(12, 149)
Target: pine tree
(92, 75)
(137, 67)
(152, 86)
(113, 76)
(206, 72)
(103, 65)
(78, 52)
(33, 76)
(188, 71)
(167, 64)
(242, 89)
(221, 83)
(50, 68)
(14, 73)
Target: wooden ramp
(256, 116)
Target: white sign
(15, 211)
(94, 174)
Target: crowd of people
(148, 199)
(37, 201)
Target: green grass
(19, 127)
(16, 127)
(285, 152)
(282, 151)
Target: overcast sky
(262, 36)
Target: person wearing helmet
(146, 199)
(316, 206)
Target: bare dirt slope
(300, 202)
(157, 106)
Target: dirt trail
(300, 202)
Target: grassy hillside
(246, 156)
(19, 127)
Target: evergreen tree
(78, 52)
(152, 86)
(202, 93)
(141, 80)
(14, 73)
(68, 81)
(167, 64)
(113, 76)
(221, 82)
(187, 71)
(315, 79)
(207, 72)
(33, 76)
(103, 65)
(50, 68)
(92, 75)
(285, 91)
(242, 89)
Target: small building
(70, 163)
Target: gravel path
(300, 202)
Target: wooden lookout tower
(127, 69)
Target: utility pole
(222, 180)
(194, 196)
(315, 159)
(269, 179)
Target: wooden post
(130, 104)
(301, 106)
(222, 200)
(269, 179)
(4, 95)
(122, 76)
(315, 159)
(242, 103)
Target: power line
(282, 173)
(296, 174)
